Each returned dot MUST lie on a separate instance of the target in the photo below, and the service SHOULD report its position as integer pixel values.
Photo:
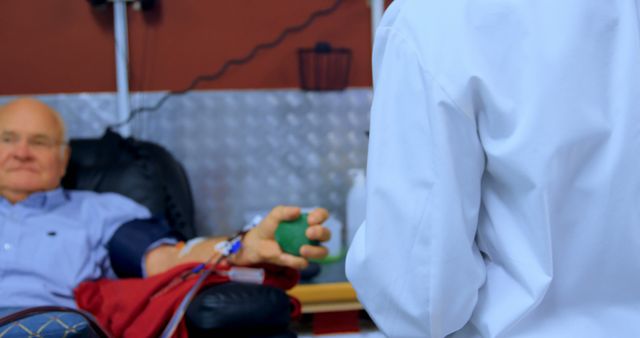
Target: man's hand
(260, 246)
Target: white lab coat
(503, 189)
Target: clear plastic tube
(246, 275)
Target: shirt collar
(44, 199)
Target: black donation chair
(150, 175)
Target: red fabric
(336, 322)
(136, 308)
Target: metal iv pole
(122, 63)
(377, 8)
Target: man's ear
(66, 155)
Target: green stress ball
(290, 235)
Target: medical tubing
(177, 316)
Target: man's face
(33, 156)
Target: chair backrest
(143, 171)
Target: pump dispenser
(356, 203)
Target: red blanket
(140, 308)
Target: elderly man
(52, 239)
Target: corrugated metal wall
(245, 151)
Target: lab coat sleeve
(414, 263)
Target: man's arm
(414, 262)
(258, 245)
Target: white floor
(367, 330)
(346, 335)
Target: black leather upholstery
(143, 171)
(240, 310)
(150, 175)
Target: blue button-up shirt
(54, 240)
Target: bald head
(35, 107)
(33, 151)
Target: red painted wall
(55, 46)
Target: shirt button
(6, 246)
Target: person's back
(549, 185)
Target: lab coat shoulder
(466, 46)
